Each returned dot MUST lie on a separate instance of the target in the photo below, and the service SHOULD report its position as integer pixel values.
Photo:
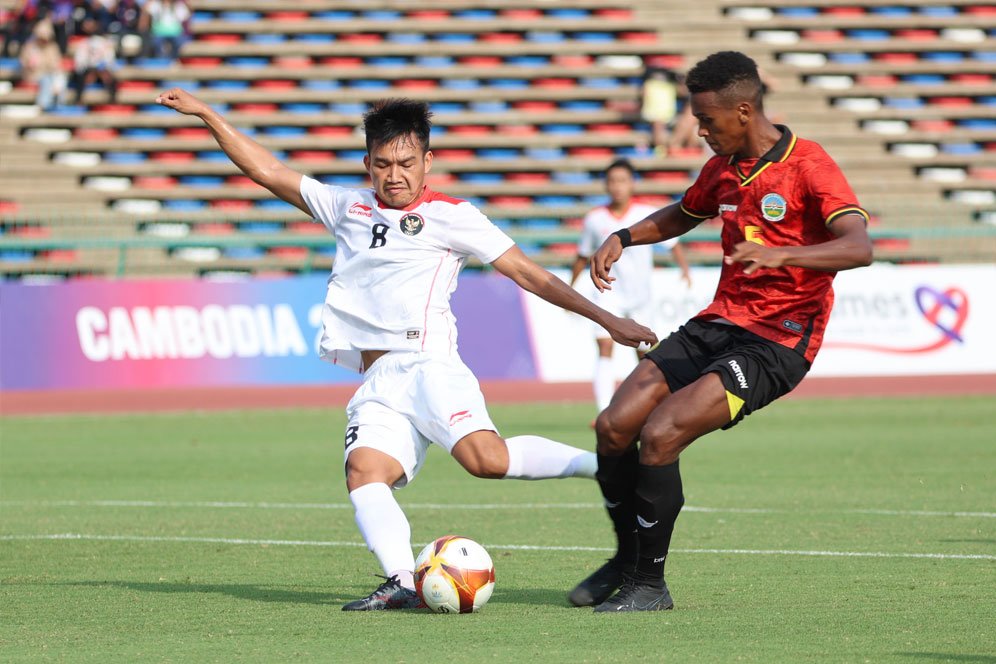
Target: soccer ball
(454, 575)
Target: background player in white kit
(630, 294)
(399, 248)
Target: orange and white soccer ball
(454, 575)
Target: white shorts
(408, 401)
(617, 305)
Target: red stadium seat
(590, 152)
(222, 38)
(9, 207)
(896, 57)
(201, 62)
(215, 228)
(639, 36)
(189, 133)
(562, 248)
(470, 130)
(555, 83)
(574, 223)
(362, 37)
(230, 204)
(877, 80)
(511, 201)
(153, 182)
(666, 176)
(665, 61)
(289, 253)
(972, 79)
(60, 255)
(113, 109)
(614, 13)
(429, 14)
(528, 178)
(416, 83)
(31, 231)
(275, 84)
(95, 133)
(933, 125)
(256, 109)
(172, 157)
(241, 181)
(570, 60)
(285, 15)
(517, 129)
(980, 10)
(982, 172)
(312, 155)
(137, 85)
(952, 101)
(293, 62)
(844, 11)
(345, 62)
(306, 228)
(610, 128)
(534, 105)
(440, 180)
(330, 130)
(500, 37)
(454, 154)
(480, 61)
(823, 35)
(916, 34)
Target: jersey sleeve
(475, 235)
(323, 200)
(589, 241)
(699, 201)
(828, 186)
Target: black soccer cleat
(635, 596)
(389, 595)
(600, 585)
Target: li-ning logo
(459, 416)
(773, 207)
(360, 210)
(739, 373)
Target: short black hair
(390, 118)
(730, 74)
(621, 163)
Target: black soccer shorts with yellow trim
(754, 370)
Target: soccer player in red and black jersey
(790, 222)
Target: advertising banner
(185, 333)
(888, 320)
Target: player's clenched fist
(182, 102)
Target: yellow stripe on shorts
(735, 403)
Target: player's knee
(483, 457)
(611, 436)
(661, 441)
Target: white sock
(385, 529)
(538, 458)
(605, 382)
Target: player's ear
(427, 160)
(745, 110)
(366, 162)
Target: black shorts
(754, 370)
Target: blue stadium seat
(343, 179)
(381, 15)
(266, 38)
(961, 148)
(456, 37)
(865, 34)
(434, 61)
(555, 201)
(184, 205)
(69, 110)
(923, 79)
(510, 83)
(942, 56)
(981, 124)
(303, 108)
(16, 256)
(315, 37)
(562, 129)
(903, 102)
(284, 131)
(798, 12)
(261, 227)
(273, 204)
(387, 61)
(539, 223)
(482, 178)
(243, 253)
(497, 153)
(595, 36)
(321, 84)
(212, 155)
(849, 58)
(124, 157)
(406, 37)
(444, 107)
(528, 60)
(370, 84)
(890, 11)
(349, 108)
(545, 36)
(572, 177)
(201, 181)
(568, 13)
(460, 83)
(544, 153)
(240, 16)
(476, 14)
(938, 10)
(335, 15)
(245, 61)
(603, 83)
(495, 106)
(220, 84)
(186, 84)
(142, 133)
(580, 105)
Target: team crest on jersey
(773, 207)
(412, 224)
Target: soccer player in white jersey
(399, 248)
(630, 292)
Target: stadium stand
(532, 99)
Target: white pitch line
(471, 506)
(511, 547)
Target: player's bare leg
(617, 429)
(672, 426)
(485, 454)
(370, 474)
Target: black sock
(617, 478)
(658, 501)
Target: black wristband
(624, 237)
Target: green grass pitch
(228, 537)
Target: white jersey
(395, 269)
(633, 270)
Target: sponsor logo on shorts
(412, 224)
(460, 416)
(726, 207)
(773, 207)
(412, 334)
(644, 523)
(360, 210)
(739, 373)
(792, 325)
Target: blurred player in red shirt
(790, 222)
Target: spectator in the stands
(41, 64)
(94, 60)
(126, 28)
(168, 24)
(60, 13)
(17, 31)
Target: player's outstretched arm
(527, 274)
(664, 224)
(252, 158)
(850, 248)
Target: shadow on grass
(536, 596)
(949, 657)
(237, 590)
